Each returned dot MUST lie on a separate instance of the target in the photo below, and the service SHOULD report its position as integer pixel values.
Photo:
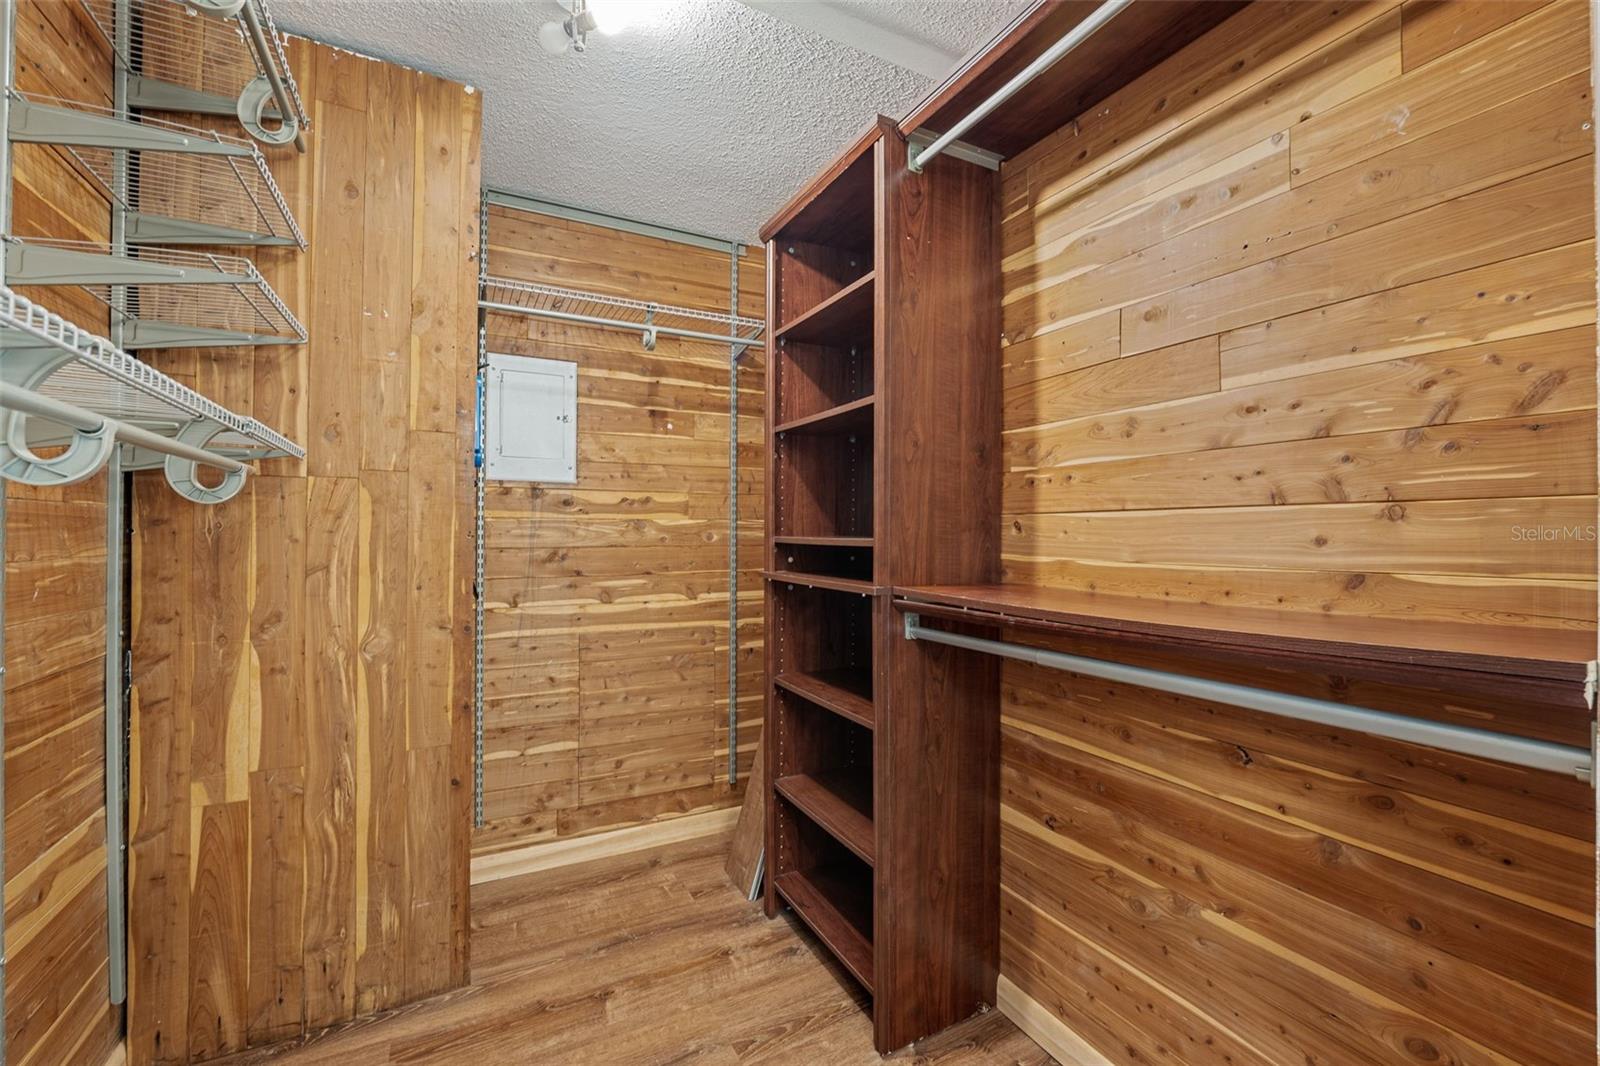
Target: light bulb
(554, 38)
(618, 16)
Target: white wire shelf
(170, 298)
(50, 357)
(185, 59)
(188, 185)
(618, 312)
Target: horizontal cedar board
(1434, 27)
(1544, 210)
(1191, 368)
(1355, 592)
(528, 246)
(1545, 455)
(1064, 244)
(1546, 46)
(1557, 654)
(1242, 211)
(1309, 56)
(1137, 39)
(1549, 290)
(1542, 537)
(1538, 374)
(1051, 700)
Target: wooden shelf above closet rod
(1403, 649)
(1477, 743)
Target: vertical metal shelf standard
(207, 57)
(8, 55)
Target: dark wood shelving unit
(884, 388)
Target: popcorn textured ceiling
(703, 115)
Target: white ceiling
(705, 116)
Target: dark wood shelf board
(841, 318)
(840, 803)
(1548, 658)
(847, 693)
(1136, 40)
(852, 417)
(826, 542)
(823, 581)
(836, 911)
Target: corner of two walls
(606, 617)
(1304, 319)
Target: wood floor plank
(642, 957)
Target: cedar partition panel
(57, 992)
(606, 601)
(301, 759)
(1267, 344)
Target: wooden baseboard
(1047, 1030)
(557, 853)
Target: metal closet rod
(1072, 39)
(81, 418)
(616, 323)
(1480, 743)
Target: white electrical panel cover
(532, 414)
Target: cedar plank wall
(606, 619)
(301, 760)
(57, 1010)
(1304, 317)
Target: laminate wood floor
(644, 959)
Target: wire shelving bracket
(649, 320)
(208, 57)
(52, 365)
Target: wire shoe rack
(189, 186)
(169, 298)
